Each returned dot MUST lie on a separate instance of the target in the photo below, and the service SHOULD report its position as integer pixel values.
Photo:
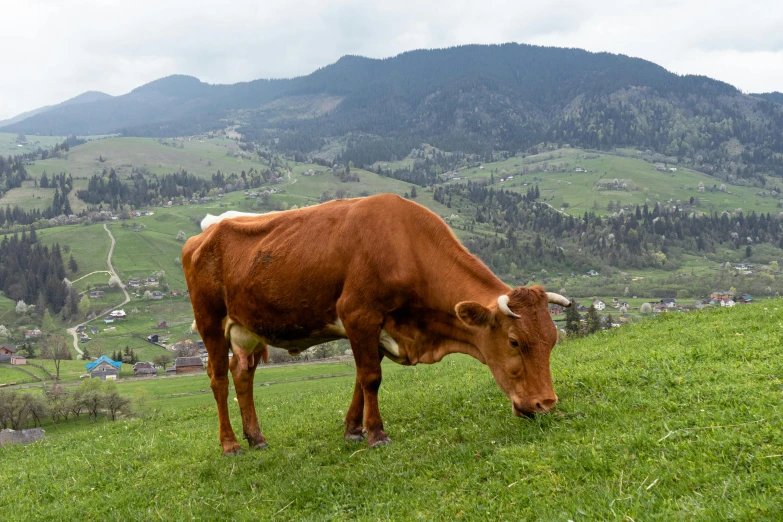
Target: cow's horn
(557, 299)
(503, 305)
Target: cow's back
(282, 274)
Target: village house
(722, 295)
(104, 368)
(134, 283)
(93, 330)
(745, 298)
(669, 302)
(591, 273)
(18, 360)
(153, 338)
(726, 302)
(658, 308)
(555, 310)
(161, 325)
(80, 328)
(144, 369)
(29, 334)
(97, 294)
(158, 295)
(188, 364)
(118, 314)
(599, 305)
(151, 281)
(108, 320)
(6, 352)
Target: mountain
(85, 97)
(776, 96)
(474, 98)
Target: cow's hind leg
(217, 369)
(243, 384)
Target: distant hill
(475, 98)
(776, 96)
(85, 97)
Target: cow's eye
(514, 343)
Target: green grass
(9, 145)
(28, 197)
(673, 419)
(580, 189)
(199, 158)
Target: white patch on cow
(386, 340)
(389, 343)
(337, 328)
(210, 220)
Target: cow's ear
(473, 314)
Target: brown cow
(383, 272)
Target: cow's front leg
(243, 384)
(364, 332)
(354, 431)
(217, 369)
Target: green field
(28, 197)
(202, 158)
(677, 418)
(10, 146)
(580, 189)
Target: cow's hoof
(354, 437)
(260, 446)
(233, 453)
(379, 443)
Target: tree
(646, 308)
(593, 323)
(47, 323)
(147, 295)
(59, 403)
(21, 307)
(56, 349)
(84, 306)
(113, 401)
(748, 251)
(85, 354)
(73, 266)
(414, 194)
(163, 360)
(181, 236)
(573, 321)
(115, 281)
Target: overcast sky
(56, 49)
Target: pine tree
(72, 265)
(573, 321)
(593, 323)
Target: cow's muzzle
(530, 407)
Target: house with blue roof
(104, 368)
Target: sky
(55, 49)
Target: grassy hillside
(9, 145)
(559, 183)
(676, 418)
(202, 158)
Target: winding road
(111, 271)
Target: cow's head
(515, 336)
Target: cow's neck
(464, 279)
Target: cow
(382, 271)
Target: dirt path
(91, 273)
(111, 271)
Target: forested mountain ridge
(474, 98)
(85, 97)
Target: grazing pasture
(674, 418)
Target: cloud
(64, 48)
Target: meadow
(10, 146)
(669, 419)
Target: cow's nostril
(538, 405)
